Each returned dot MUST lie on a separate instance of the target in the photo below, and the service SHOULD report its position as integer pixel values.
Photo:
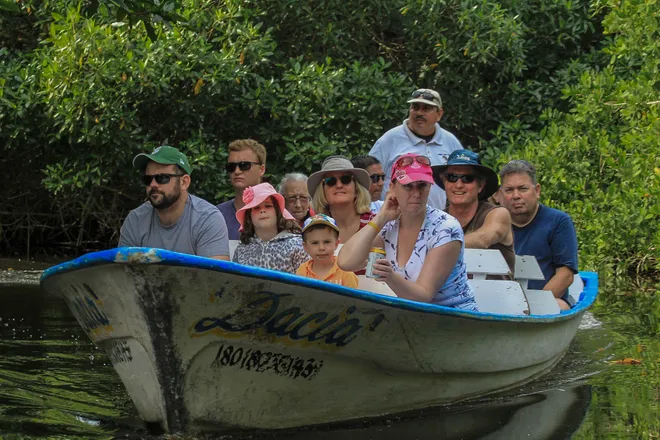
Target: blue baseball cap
(468, 158)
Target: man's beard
(166, 201)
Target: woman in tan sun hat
(342, 192)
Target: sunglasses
(375, 178)
(424, 95)
(408, 160)
(466, 178)
(243, 166)
(161, 179)
(332, 181)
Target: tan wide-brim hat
(337, 163)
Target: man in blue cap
(468, 185)
(172, 218)
(420, 134)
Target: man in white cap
(420, 134)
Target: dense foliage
(600, 161)
(86, 85)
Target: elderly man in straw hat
(342, 191)
(419, 134)
(468, 185)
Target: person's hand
(390, 209)
(383, 268)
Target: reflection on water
(55, 384)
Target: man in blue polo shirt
(420, 134)
(541, 231)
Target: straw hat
(337, 163)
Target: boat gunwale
(144, 256)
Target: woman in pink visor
(423, 245)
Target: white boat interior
(492, 296)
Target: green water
(54, 384)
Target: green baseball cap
(165, 155)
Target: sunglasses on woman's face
(332, 181)
(161, 179)
(408, 160)
(243, 166)
(465, 178)
(375, 178)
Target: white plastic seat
(500, 296)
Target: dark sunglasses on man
(465, 178)
(332, 181)
(243, 166)
(375, 178)
(161, 179)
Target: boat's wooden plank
(371, 285)
(576, 288)
(483, 262)
(542, 302)
(233, 244)
(527, 268)
(500, 296)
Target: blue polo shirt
(551, 238)
(401, 140)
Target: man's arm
(560, 281)
(496, 228)
(213, 240)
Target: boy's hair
(319, 226)
(282, 223)
(249, 144)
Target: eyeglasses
(292, 200)
(375, 178)
(466, 178)
(424, 95)
(243, 166)
(332, 181)
(408, 160)
(161, 179)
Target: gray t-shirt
(228, 211)
(201, 230)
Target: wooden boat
(205, 345)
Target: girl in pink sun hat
(270, 235)
(424, 246)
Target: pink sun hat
(255, 195)
(411, 168)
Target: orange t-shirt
(335, 276)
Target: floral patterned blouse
(439, 228)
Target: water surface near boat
(54, 383)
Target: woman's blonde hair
(362, 200)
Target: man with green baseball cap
(165, 155)
(172, 218)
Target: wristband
(375, 226)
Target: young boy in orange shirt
(320, 239)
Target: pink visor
(255, 195)
(411, 168)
